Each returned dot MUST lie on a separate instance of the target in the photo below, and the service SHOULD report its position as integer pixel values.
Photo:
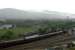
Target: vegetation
(13, 33)
(32, 25)
(7, 35)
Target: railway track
(47, 40)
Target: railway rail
(26, 40)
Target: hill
(9, 13)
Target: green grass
(17, 32)
(73, 48)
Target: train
(37, 35)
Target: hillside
(9, 13)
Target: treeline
(40, 23)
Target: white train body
(38, 35)
(33, 36)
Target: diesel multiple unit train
(37, 35)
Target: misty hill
(9, 13)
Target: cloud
(53, 5)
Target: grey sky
(39, 5)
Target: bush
(8, 35)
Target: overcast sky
(39, 5)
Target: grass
(17, 32)
(71, 48)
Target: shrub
(8, 35)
